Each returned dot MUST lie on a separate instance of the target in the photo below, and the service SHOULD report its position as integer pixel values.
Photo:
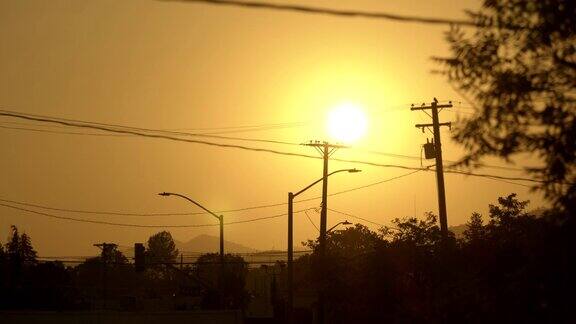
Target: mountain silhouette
(207, 243)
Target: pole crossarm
(449, 124)
(320, 144)
(449, 105)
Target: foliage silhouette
(226, 284)
(161, 248)
(523, 82)
(515, 268)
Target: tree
(353, 275)
(227, 284)
(509, 208)
(475, 230)
(106, 276)
(27, 252)
(19, 249)
(350, 241)
(13, 245)
(423, 233)
(3, 270)
(111, 256)
(519, 66)
(161, 248)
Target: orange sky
(169, 65)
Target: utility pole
(107, 255)
(291, 196)
(326, 150)
(290, 303)
(434, 150)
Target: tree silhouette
(475, 230)
(415, 232)
(520, 68)
(20, 253)
(161, 248)
(27, 252)
(13, 246)
(105, 277)
(508, 209)
(226, 284)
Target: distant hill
(458, 230)
(208, 243)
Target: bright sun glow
(347, 123)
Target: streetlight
(219, 217)
(291, 197)
(346, 223)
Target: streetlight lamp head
(346, 223)
(164, 194)
(354, 170)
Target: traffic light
(139, 257)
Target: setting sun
(347, 123)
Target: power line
(256, 129)
(375, 183)
(195, 213)
(139, 132)
(445, 171)
(144, 226)
(267, 141)
(58, 132)
(252, 140)
(311, 222)
(28, 127)
(354, 216)
(129, 130)
(202, 225)
(248, 127)
(204, 130)
(413, 157)
(492, 176)
(333, 12)
(130, 213)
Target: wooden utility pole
(290, 303)
(433, 107)
(106, 256)
(326, 149)
(291, 196)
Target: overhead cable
(333, 12)
(142, 132)
(141, 225)
(247, 139)
(354, 216)
(196, 213)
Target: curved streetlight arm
(190, 200)
(341, 223)
(329, 174)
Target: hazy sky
(170, 65)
